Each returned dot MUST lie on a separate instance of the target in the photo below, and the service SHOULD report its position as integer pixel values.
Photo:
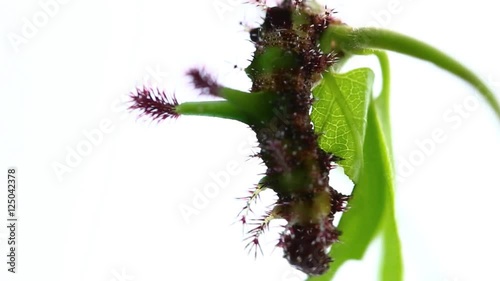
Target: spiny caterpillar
(287, 63)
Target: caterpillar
(286, 64)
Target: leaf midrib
(347, 112)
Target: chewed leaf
(339, 116)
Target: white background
(115, 215)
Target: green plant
(300, 49)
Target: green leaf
(371, 208)
(360, 223)
(339, 115)
(392, 262)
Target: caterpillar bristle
(204, 81)
(154, 104)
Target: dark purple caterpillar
(297, 169)
(286, 64)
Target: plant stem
(258, 105)
(221, 109)
(353, 40)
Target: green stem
(383, 100)
(385, 93)
(251, 109)
(258, 105)
(221, 109)
(355, 40)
